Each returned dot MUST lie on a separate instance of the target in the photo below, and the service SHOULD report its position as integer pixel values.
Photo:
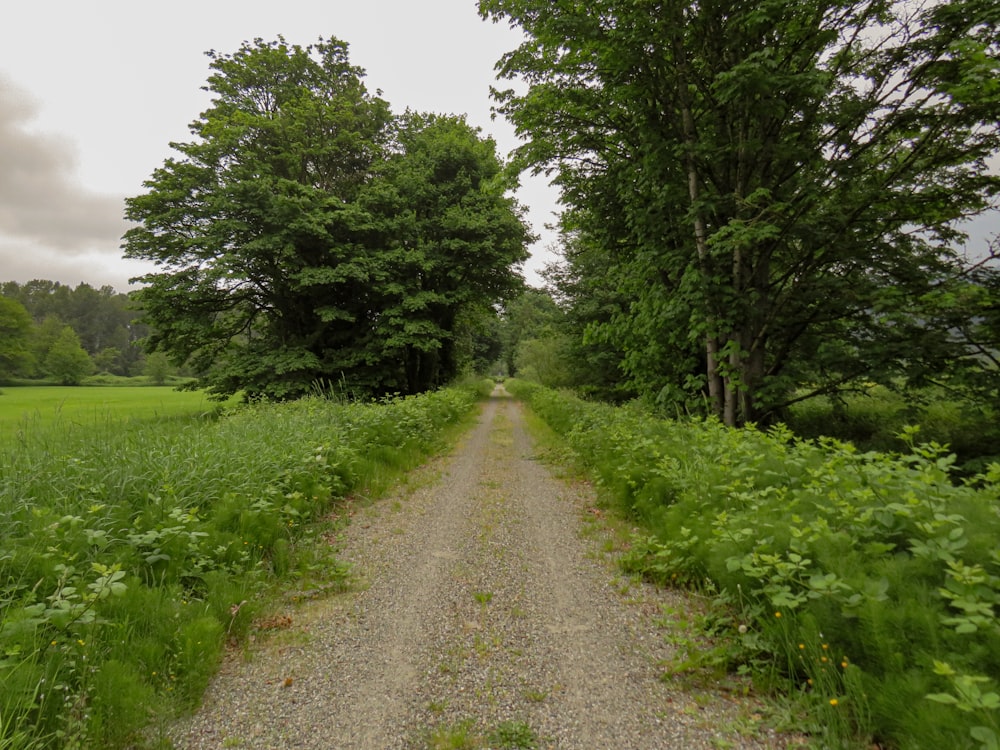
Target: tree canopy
(307, 234)
(759, 185)
(104, 321)
(15, 326)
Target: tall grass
(25, 409)
(132, 551)
(865, 584)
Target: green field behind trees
(24, 408)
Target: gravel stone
(481, 600)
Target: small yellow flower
(824, 659)
(844, 664)
(777, 614)
(802, 645)
(833, 701)
(825, 646)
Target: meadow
(133, 550)
(35, 407)
(861, 585)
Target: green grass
(38, 407)
(134, 548)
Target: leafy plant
(133, 550)
(843, 575)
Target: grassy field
(133, 550)
(32, 407)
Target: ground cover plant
(133, 550)
(864, 583)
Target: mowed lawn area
(32, 407)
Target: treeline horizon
(103, 322)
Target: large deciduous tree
(764, 179)
(306, 234)
(447, 234)
(255, 223)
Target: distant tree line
(50, 330)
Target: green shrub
(877, 418)
(857, 574)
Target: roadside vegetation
(861, 584)
(135, 550)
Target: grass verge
(133, 550)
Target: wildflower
(777, 614)
(742, 629)
(826, 646)
(843, 664)
(833, 701)
(802, 646)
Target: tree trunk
(716, 390)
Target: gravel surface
(486, 613)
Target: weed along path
(485, 615)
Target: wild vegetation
(863, 584)
(763, 226)
(134, 550)
(765, 201)
(306, 233)
(59, 333)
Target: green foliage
(763, 197)
(133, 550)
(875, 418)
(66, 360)
(869, 582)
(15, 327)
(157, 368)
(307, 235)
(533, 314)
(102, 318)
(545, 360)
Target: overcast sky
(93, 91)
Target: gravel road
(486, 614)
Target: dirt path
(487, 618)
